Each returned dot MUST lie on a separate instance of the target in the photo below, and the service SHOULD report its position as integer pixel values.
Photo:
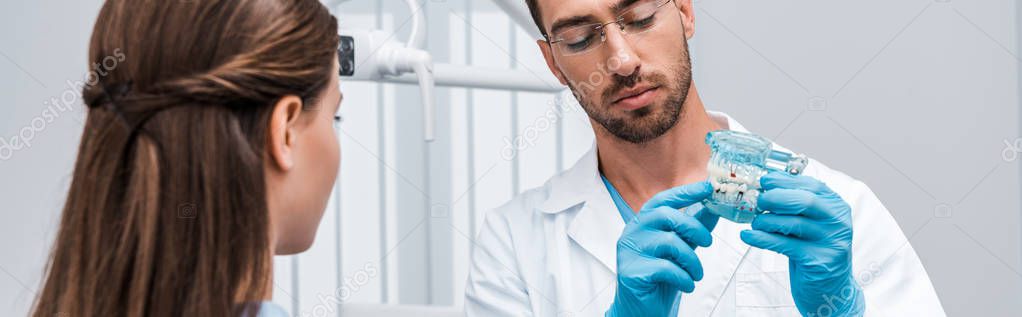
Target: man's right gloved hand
(655, 253)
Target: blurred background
(917, 98)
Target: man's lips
(636, 98)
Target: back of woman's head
(167, 212)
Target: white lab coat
(551, 251)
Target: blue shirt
(270, 309)
(627, 214)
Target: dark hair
(536, 16)
(166, 214)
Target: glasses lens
(579, 39)
(642, 17)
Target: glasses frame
(600, 27)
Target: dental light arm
(423, 68)
(371, 56)
(462, 76)
(416, 38)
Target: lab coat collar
(598, 225)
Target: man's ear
(281, 139)
(549, 57)
(688, 17)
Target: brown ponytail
(166, 214)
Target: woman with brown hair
(208, 149)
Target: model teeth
(734, 184)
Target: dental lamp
(370, 56)
(373, 55)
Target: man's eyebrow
(622, 5)
(570, 22)
(584, 19)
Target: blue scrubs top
(269, 309)
(627, 214)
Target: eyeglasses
(582, 39)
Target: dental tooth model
(737, 161)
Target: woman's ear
(281, 138)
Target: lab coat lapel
(596, 229)
(597, 225)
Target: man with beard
(622, 232)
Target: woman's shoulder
(271, 309)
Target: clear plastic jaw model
(737, 162)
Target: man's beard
(647, 123)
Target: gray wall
(917, 98)
(43, 45)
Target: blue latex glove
(812, 226)
(655, 257)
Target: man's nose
(622, 60)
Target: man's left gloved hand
(812, 226)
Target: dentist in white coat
(621, 233)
